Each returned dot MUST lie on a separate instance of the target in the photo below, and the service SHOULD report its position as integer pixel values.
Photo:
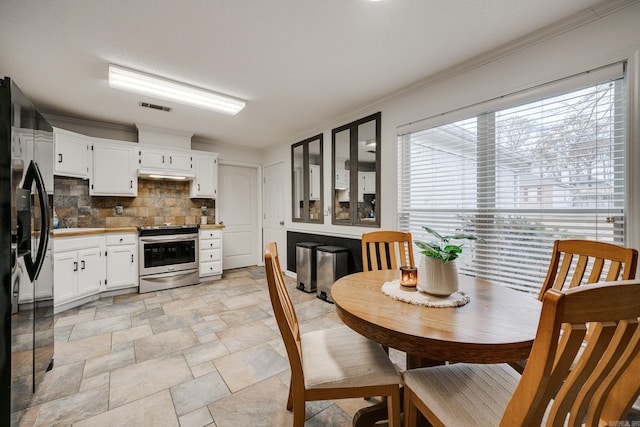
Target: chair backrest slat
(386, 250)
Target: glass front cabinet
(306, 179)
(356, 172)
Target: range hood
(164, 175)
(169, 139)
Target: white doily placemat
(394, 290)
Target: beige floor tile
(60, 382)
(108, 362)
(101, 326)
(131, 334)
(155, 410)
(246, 336)
(203, 369)
(182, 305)
(143, 379)
(250, 366)
(126, 307)
(199, 392)
(262, 405)
(166, 323)
(241, 301)
(198, 418)
(165, 343)
(73, 408)
(209, 351)
(95, 381)
(82, 349)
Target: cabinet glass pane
(306, 180)
(341, 180)
(315, 161)
(298, 189)
(367, 171)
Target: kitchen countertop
(68, 232)
(211, 226)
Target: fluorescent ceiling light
(157, 87)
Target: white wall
(602, 41)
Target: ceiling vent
(155, 106)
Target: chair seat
(465, 394)
(342, 358)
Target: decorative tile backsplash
(158, 202)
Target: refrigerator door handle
(33, 175)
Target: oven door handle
(165, 239)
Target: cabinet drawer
(210, 234)
(207, 255)
(79, 242)
(209, 268)
(121, 239)
(210, 244)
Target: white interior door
(274, 203)
(237, 207)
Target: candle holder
(409, 276)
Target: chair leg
(290, 398)
(393, 407)
(299, 414)
(410, 410)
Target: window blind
(520, 177)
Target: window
(306, 180)
(520, 176)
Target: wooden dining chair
(571, 260)
(550, 391)
(336, 363)
(386, 250)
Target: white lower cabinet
(210, 253)
(122, 260)
(78, 268)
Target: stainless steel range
(168, 257)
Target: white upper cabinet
(72, 154)
(366, 184)
(205, 183)
(114, 171)
(314, 182)
(43, 156)
(162, 160)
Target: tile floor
(204, 355)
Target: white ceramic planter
(437, 278)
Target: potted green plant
(437, 273)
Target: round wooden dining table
(497, 325)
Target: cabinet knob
(121, 240)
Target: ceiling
(299, 64)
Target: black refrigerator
(26, 267)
